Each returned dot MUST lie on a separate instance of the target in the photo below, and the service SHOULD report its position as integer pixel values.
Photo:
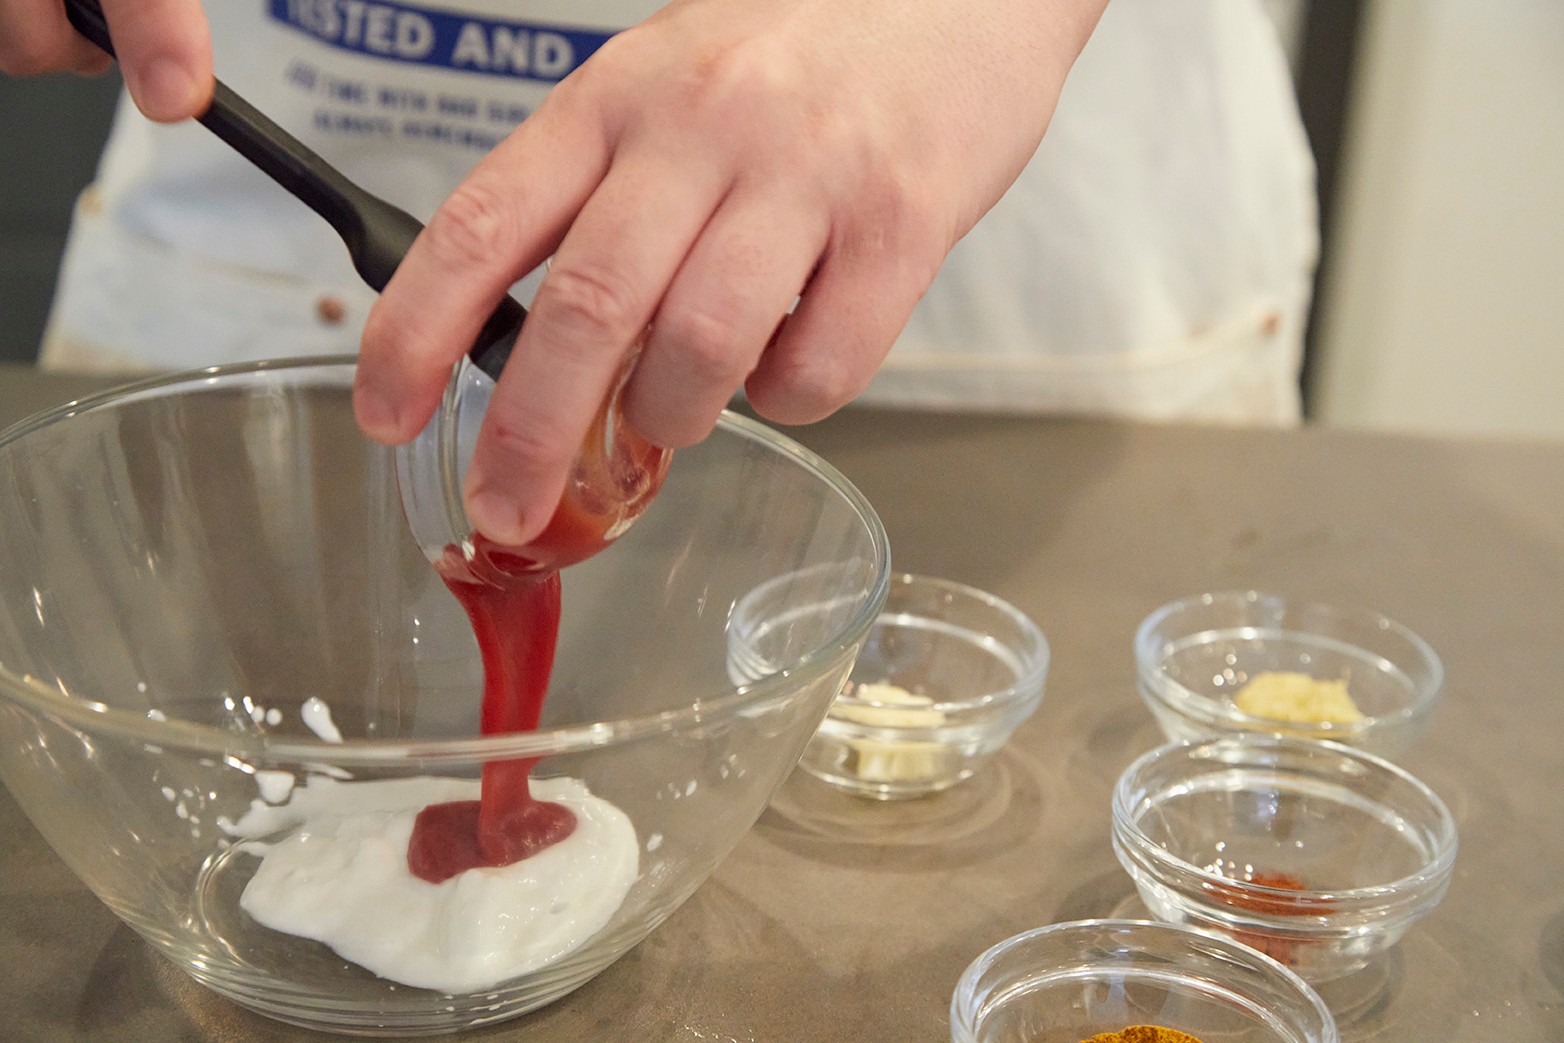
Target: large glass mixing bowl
(204, 578)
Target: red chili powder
(1280, 947)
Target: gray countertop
(852, 921)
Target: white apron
(1153, 260)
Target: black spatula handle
(376, 233)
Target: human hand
(697, 175)
(164, 48)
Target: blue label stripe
(416, 35)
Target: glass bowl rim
(1033, 650)
(1244, 954)
(1182, 698)
(1409, 890)
(99, 717)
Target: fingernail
(495, 515)
(165, 90)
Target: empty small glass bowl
(1315, 853)
(946, 674)
(1193, 657)
(1071, 981)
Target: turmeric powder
(1143, 1034)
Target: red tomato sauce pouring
(512, 598)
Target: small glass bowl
(613, 480)
(1193, 657)
(1071, 981)
(1315, 853)
(946, 674)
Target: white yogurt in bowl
(341, 877)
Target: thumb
(165, 54)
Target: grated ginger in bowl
(1283, 696)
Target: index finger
(628, 230)
(501, 222)
(606, 280)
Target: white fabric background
(1152, 261)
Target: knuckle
(590, 298)
(678, 429)
(473, 226)
(621, 51)
(898, 229)
(710, 347)
(898, 208)
(804, 391)
(732, 81)
(746, 71)
(617, 70)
